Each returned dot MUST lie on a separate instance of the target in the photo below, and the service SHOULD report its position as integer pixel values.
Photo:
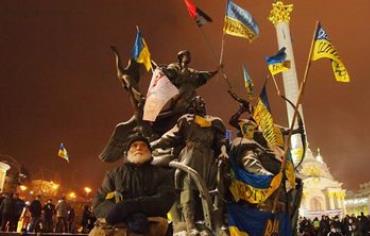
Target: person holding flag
(186, 79)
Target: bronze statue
(186, 79)
(202, 138)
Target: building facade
(3, 169)
(322, 194)
(357, 202)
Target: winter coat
(146, 189)
(61, 209)
(7, 206)
(35, 208)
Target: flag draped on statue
(277, 63)
(140, 52)
(244, 220)
(196, 14)
(160, 91)
(250, 187)
(62, 152)
(323, 48)
(248, 83)
(239, 22)
(263, 117)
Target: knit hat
(138, 137)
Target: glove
(121, 211)
(117, 196)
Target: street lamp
(72, 195)
(23, 188)
(87, 191)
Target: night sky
(58, 80)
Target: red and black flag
(198, 15)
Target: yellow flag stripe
(240, 190)
(236, 28)
(325, 49)
(144, 57)
(264, 120)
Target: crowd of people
(326, 226)
(19, 215)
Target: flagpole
(295, 115)
(222, 47)
(276, 85)
(214, 56)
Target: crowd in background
(18, 215)
(326, 226)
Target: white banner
(160, 91)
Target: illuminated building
(357, 202)
(3, 169)
(322, 194)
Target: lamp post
(87, 191)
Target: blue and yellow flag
(244, 220)
(277, 63)
(239, 22)
(62, 152)
(248, 83)
(140, 52)
(323, 48)
(263, 117)
(252, 188)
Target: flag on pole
(62, 152)
(323, 48)
(277, 63)
(239, 22)
(248, 83)
(196, 14)
(263, 117)
(140, 52)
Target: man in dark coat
(18, 208)
(35, 209)
(136, 190)
(7, 209)
(49, 211)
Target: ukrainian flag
(140, 52)
(244, 220)
(239, 22)
(323, 48)
(277, 63)
(262, 115)
(62, 152)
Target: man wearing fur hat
(136, 191)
